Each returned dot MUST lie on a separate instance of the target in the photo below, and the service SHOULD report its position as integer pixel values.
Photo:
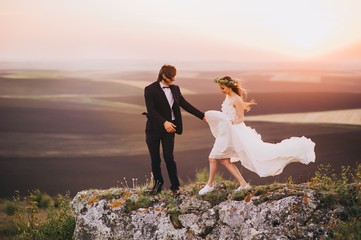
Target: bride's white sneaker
(206, 189)
(242, 188)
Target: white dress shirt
(169, 95)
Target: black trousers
(154, 139)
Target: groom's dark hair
(168, 70)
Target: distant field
(348, 117)
(83, 130)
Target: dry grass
(8, 229)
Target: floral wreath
(228, 82)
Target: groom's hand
(169, 127)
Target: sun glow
(306, 30)
(299, 28)
(304, 27)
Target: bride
(234, 141)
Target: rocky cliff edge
(277, 211)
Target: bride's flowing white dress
(241, 143)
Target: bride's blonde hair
(236, 87)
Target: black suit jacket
(159, 110)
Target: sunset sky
(176, 30)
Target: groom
(163, 101)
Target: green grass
(37, 216)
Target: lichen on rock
(280, 212)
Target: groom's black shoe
(157, 188)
